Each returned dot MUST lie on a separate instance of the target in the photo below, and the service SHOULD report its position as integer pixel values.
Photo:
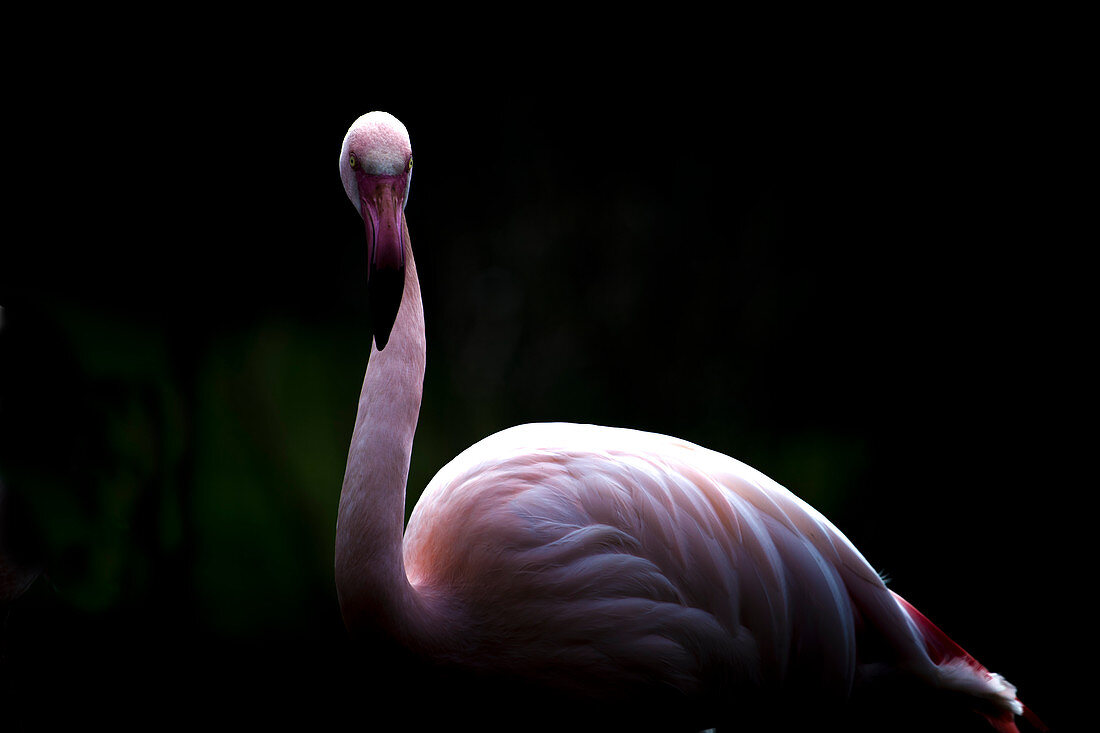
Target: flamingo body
(610, 563)
(613, 569)
(630, 556)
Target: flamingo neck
(375, 594)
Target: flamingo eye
(353, 161)
(409, 167)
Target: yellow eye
(409, 167)
(354, 162)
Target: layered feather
(603, 559)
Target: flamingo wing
(647, 557)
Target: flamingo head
(376, 169)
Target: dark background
(863, 279)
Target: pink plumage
(612, 570)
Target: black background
(862, 278)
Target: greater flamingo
(639, 578)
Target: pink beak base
(382, 217)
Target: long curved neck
(375, 594)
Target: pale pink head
(376, 168)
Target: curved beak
(383, 217)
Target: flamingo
(609, 576)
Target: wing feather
(627, 555)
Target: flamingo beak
(384, 220)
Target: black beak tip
(384, 298)
(381, 337)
